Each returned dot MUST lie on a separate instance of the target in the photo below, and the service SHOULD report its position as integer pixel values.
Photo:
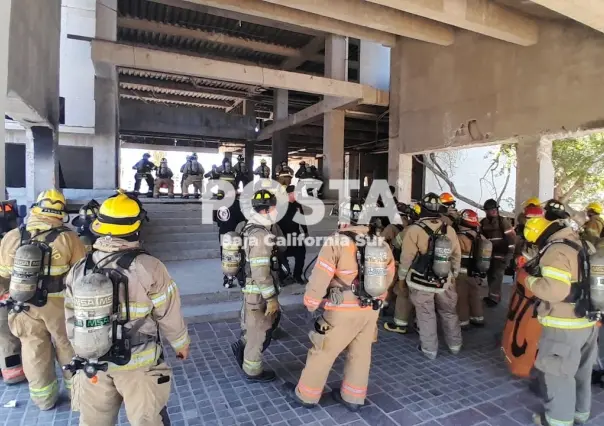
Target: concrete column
(106, 144)
(354, 168)
(5, 7)
(249, 110)
(395, 144)
(374, 65)
(336, 66)
(41, 161)
(534, 170)
(280, 112)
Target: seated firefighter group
(102, 311)
(193, 173)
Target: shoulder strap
(425, 227)
(467, 234)
(54, 233)
(126, 259)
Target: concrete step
(182, 237)
(168, 220)
(176, 214)
(179, 229)
(165, 256)
(167, 247)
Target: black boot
(391, 326)
(337, 396)
(185, 197)
(299, 279)
(491, 303)
(290, 390)
(238, 348)
(264, 377)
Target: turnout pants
(42, 333)
(196, 181)
(495, 278)
(144, 391)
(299, 255)
(403, 308)
(353, 330)
(257, 332)
(137, 182)
(163, 181)
(469, 302)
(566, 358)
(426, 305)
(10, 351)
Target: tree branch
(505, 186)
(574, 188)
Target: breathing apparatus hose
(309, 265)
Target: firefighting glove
(335, 296)
(272, 306)
(321, 326)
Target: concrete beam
(481, 16)
(152, 85)
(5, 8)
(104, 52)
(156, 119)
(307, 115)
(307, 53)
(300, 18)
(163, 97)
(587, 12)
(174, 31)
(535, 173)
(373, 16)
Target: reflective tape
(260, 261)
(45, 391)
(308, 391)
(554, 422)
(5, 271)
(566, 323)
(139, 359)
(60, 294)
(181, 342)
(251, 289)
(358, 392)
(582, 417)
(58, 270)
(327, 266)
(311, 302)
(556, 274)
(68, 383)
(138, 310)
(267, 291)
(159, 299)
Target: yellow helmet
(262, 161)
(417, 209)
(596, 207)
(534, 227)
(50, 203)
(532, 201)
(119, 216)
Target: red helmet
(447, 199)
(533, 211)
(469, 218)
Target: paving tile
(467, 417)
(405, 417)
(385, 402)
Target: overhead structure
(375, 17)
(480, 16)
(122, 55)
(588, 12)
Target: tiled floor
(405, 388)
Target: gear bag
(432, 268)
(31, 278)
(100, 317)
(372, 261)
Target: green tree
(579, 168)
(156, 156)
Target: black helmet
(431, 202)
(555, 210)
(193, 156)
(226, 160)
(263, 200)
(302, 163)
(219, 194)
(240, 157)
(87, 214)
(349, 211)
(284, 163)
(490, 204)
(146, 155)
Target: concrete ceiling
(531, 9)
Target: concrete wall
(139, 117)
(374, 65)
(508, 90)
(77, 71)
(33, 62)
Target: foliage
(156, 156)
(579, 166)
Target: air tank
(596, 284)
(231, 244)
(375, 280)
(441, 266)
(482, 255)
(27, 266)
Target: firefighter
(164, 177)
(593, 229)
(227, 219)
(349, 321)
(40, 324)
(430, 274)
(284, 174)
(226, 173)
(467, 284)
(295, 232)
(263, 170)
(143, 383)
(194, 171)
(568, 343)
(261, 309)
(499, 231)
(450, 214)
(212, 175)
(184, 176)
(531, 210)
(242, 173)
(83, 221)
(302, 172)
(143, 168)
(521, 219)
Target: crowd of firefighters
(193, 174)
(102, 305)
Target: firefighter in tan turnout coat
(347, 322)
(430, 276)
(40, 324)
(136, 375)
